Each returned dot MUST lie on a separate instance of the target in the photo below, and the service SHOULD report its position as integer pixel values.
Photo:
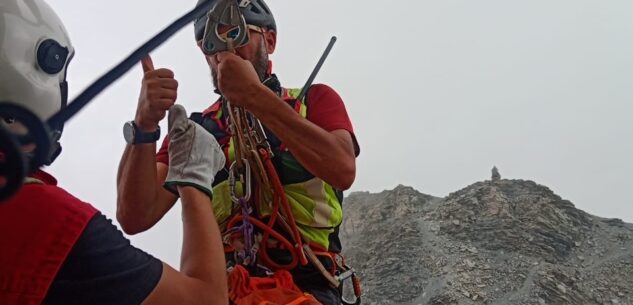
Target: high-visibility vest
(315, 204)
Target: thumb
(177, 119)
(147, 63)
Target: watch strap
(142, 137)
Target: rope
(253, 156)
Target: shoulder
(322, 92)
(102, 252)
(42, 205)
(321, 96)
(54, 198)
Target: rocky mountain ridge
(493, 242)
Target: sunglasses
(234, 32)
(216, 40)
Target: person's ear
(271, 41)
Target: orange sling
(278, 289)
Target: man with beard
(313, 142)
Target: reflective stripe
(322, 211)
(317, 210)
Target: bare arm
(328, 155)
(141, 200)
(195, 158)
(202, 279)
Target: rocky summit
(493, 242)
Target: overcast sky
(438, 92)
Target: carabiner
(227, 13)
(246, 181)
(259, 134)
(357, 293)
(356, 285)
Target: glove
(195, 157)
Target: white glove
(195, 157)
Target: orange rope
(272, 172)
(269, 231)
(269, 176)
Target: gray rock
(507, 242)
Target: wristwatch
(134, 135)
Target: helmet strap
(269, 69)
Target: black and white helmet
(34, 54)
(35, 50)
(255, 12)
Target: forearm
(138, 205)
(202, 277)
(202, 251)
(324, 154)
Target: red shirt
(325, 109)
(38, 227)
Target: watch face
(128, 132)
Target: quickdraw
(344, 274)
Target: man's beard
(260, 65)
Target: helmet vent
(255, 9)
(51, 56)
(266, 9)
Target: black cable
(115, 73)
(307, 85)
(15, 165)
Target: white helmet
(34, 54)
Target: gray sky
(438, 91)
